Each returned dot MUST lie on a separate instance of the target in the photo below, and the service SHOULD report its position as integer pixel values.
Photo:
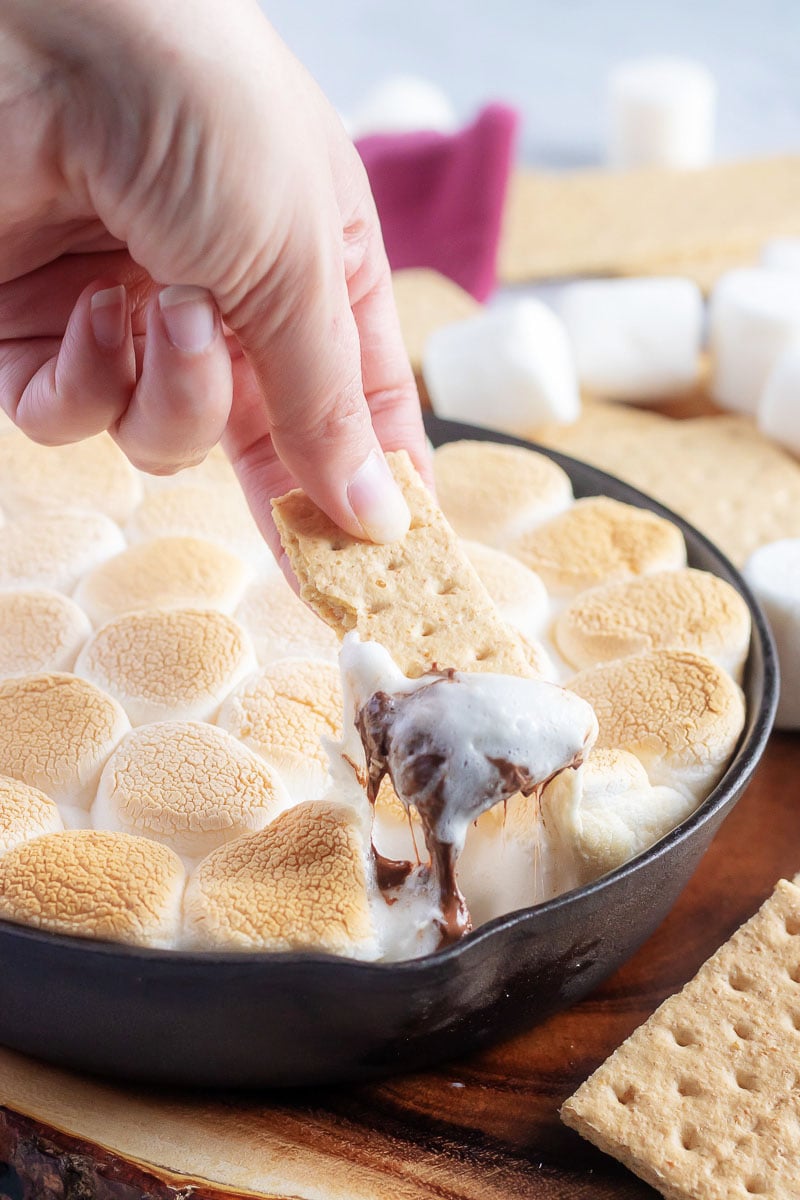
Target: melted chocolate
(424, 775)
(421, 781)
(390, 872)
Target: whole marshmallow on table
(661, 113)
(779, 407)
(753, 317)
(402, 104)
(634, 338)
(773, 573)
(507, 368)
(781, 254)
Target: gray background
(550, 59)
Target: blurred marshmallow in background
(779, 407)
(661, 113)
(634, 339)
(507, 368)
(781, 254)
(754, 317)
(402, 104)
(773, 573)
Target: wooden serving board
(482, 1129)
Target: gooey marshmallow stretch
(454, 744)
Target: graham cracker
(720, 473)
(702, 1101)
(425, 301)
(634, 222)
(421, 597)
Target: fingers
(83, 388)
(389, 385)
(182, 401)
(260, 471)
(300, 336)
(164, 397)
(40, 303)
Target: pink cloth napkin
(441, 196)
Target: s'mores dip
(519, 696)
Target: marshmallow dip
(453, 745)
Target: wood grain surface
(479, 1129)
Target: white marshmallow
(507, 368)
(661, 113)
(773, 573)
(779, 408)
(402, 104)
(754, 316)
(634, 338)
(781, 254)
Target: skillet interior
(242, 1020)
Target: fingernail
(377, 502)
(189, 317)
(108, 316)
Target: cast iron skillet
(273, 1020)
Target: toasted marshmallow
(187, 784)
(283, 713)
(218, 515)
(507, 368)
(597, 541)
(754, 316)
(56, 732)
(608, 812)
(54, 550)
(778, 410)
(94, 474)
(177, 664)
(25, 813)
(679, 713)
(175, 572)
(675, 610)
(95, 884)
(540, 659)
(403, 104)
(299, 884)
(773, 573)
(661, 113)
(39, 631)
(518, 593)
(493, 494)
(281, 625)
(634, 339)
(214, 471)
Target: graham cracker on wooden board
(638, 222)
(702, 1101)
(425, 301)
(420, 597)
(719, 472)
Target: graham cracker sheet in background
(718, 472)
(702, 1100)
(647, 221)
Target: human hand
(168, 168)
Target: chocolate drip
(373, 721)
(421, 771)
(390, 872)
(423, 775)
